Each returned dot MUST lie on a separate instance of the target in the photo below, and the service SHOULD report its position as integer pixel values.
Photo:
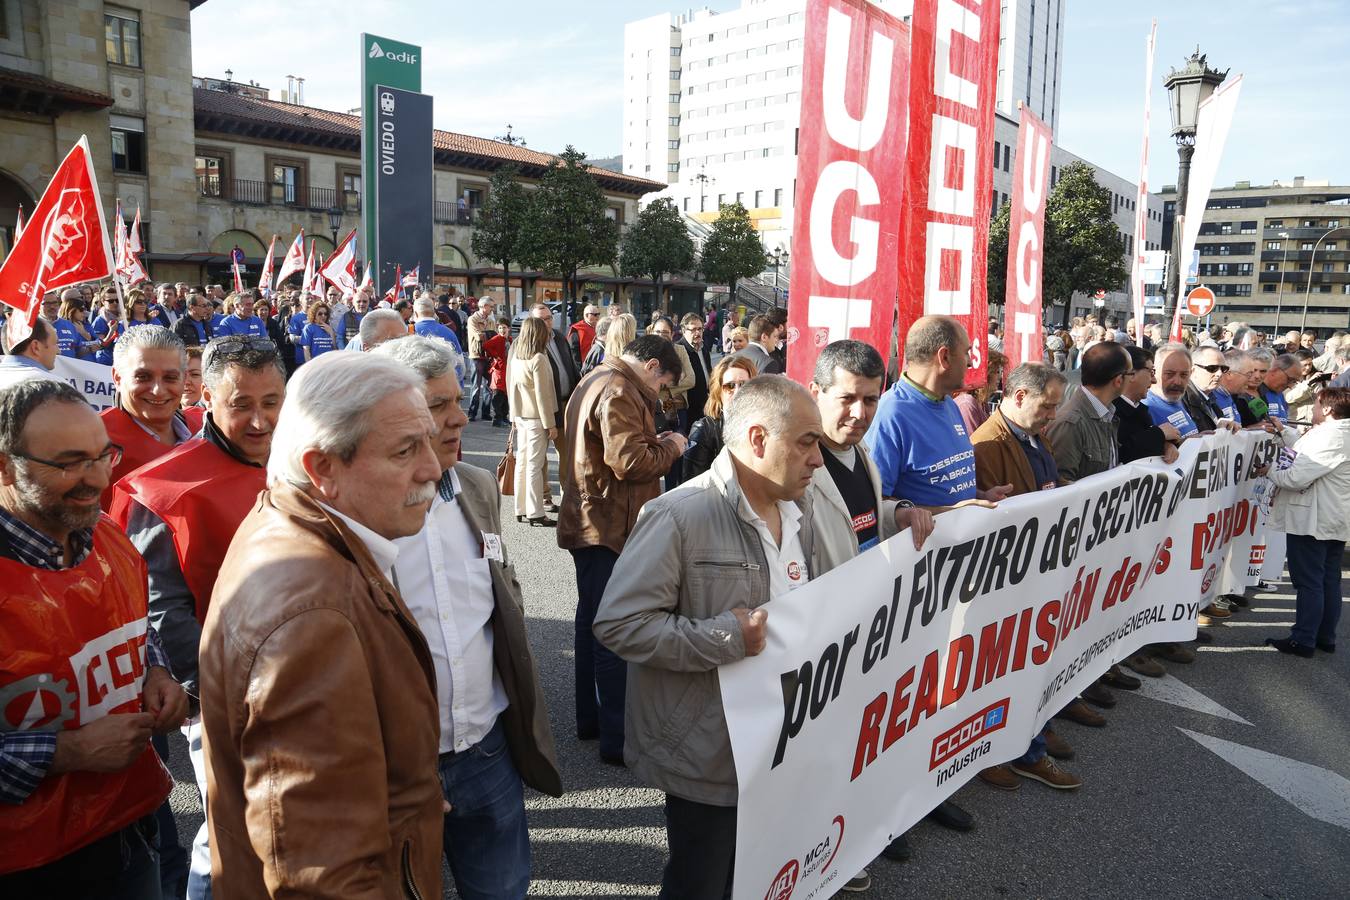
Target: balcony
(445, 212)
(265, 193)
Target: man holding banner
(683, 600)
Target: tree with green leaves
(657, 244)
(1083, 248)
(732, 250)
(498, 235)
(567, 227)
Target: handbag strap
(511, 440)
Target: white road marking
(548, 887)
(639, 837)
(1320, 793)
(1259, 624)
(599, 798)
(1169, 689)
(1261, 649)
(1269, 609)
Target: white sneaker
(858, 883)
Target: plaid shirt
(25, 756)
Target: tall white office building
(1030, 53)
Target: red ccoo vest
(72, 650)
(138, 447)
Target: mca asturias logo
(816, 861)
(403, 56)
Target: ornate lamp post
(779, 257)
(1187, 88)
(334, 221)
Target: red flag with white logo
(238, 277)
(340, 270)
(307, 283)
(134, 236)
(413, 278)
(367, 283)
(265, 279)
(65, 242)
(397, 288)
(1026, 243)
(949, 168)
(295, 259)
(850, 172)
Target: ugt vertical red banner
(1022, 340)
(949, 169)
(851, 147)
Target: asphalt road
(1205, 788)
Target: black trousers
(702, 840)
(601, 676)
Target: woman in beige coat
(534, 408)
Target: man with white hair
(479, 328)
(675, 626)
(1327, 361)
(318, 689)
(427, 324)
(461, 588)
(149, 365)
(1172, 368)
(378, 326)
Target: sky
(554, 71)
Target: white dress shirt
(382, 550)
(787, 561)
(446, 582)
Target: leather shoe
(543, 522)
(1097, 694)
(1080, 712)
(1000, 777)
(1174, 653)
(1115, 677)
(898, 850)
(1287, 645)
(1238, 600)
(1205, 621)
(949, 815)
(1144, 666)
(1049, 774)
(1056, 746)
(1214, 611)
(1326, 646)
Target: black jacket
(705, 442)
(698, 394)
(188, 335)
(1137, 436)
(1201, 408)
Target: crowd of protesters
(275, 547)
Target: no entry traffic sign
(1200, 301)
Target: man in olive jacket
(684, 600)
(611, 463)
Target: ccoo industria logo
(378, 52)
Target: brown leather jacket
(319, 713)
(1000, 459)
(611, 459)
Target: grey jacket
(690, 560)
(836, 541)
(1082, 442)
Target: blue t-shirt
(68, 338)
(1224, 401)
(1275, 400)
(1174, 414)
(201, 330)
(234, 325)
(216, 319)
(921, 448)
(295, 327)
(317, 339)
(101, 329)
(432, 328)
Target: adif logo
(378, 52)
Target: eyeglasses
(1211, 369)
(109, 457)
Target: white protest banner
(93, 380)
(890, 681)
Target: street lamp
(779, 257)
(1187, 88)
(1279, 297)
(1312, 262)
(334, 221)
(703, 179)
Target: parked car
(555, 305)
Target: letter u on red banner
(949, 168)
(851, 149)
(1022, 340)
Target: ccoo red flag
(65, 242)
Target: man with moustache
(79, 781)
(318, 689)
(182, 510)
(1172, 368)
(460, 587)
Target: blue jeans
(1036, 752)
(199, 871)
(601, 676)
(486, 841)
(480, 392)
(1315, 570)
(173, 859)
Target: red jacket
(72, 650)
(138, 447)
(585, 336)
(495, 349)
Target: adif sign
(949, 167)
(1026, 243)
(851, 148)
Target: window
(1007, 158)
(759, 196)
(673, 167)
(1270, 288)
(675, 98)
(721, 200)
(1275, 223)
(674, 51)
(128, 144)
(1306, 245)
(777, 196)
(686, 204)
(122, 38)
(674, 74)
(1328, 267)
(673, 120)
(1249, 228)
(286, 184)
(209, 170)
(998, 152)
(1329, 245)
(672, 145)
(1274, 245)
(740, 197)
